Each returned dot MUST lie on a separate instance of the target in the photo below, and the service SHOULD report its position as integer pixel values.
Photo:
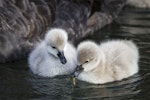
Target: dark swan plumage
(23, 23)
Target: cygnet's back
(123, 55)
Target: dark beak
(77, 71)
(62, 57)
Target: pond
(18, 83)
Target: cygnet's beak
(62, 57)
(77, 71)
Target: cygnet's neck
(46, 53)
(100, 63)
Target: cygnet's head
(56, 40)
(87, 56)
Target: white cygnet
(54, 55)
(111, 61)
(139, 3)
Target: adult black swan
(23, 23)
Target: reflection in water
(114, 90)
(60, 87)
(18, 83)
(51, 88)
(13, 85)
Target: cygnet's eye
(53, 47)
(86, 61)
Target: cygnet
(54, 55)
(111, 61)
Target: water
(18, 83)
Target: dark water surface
(18, 83)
